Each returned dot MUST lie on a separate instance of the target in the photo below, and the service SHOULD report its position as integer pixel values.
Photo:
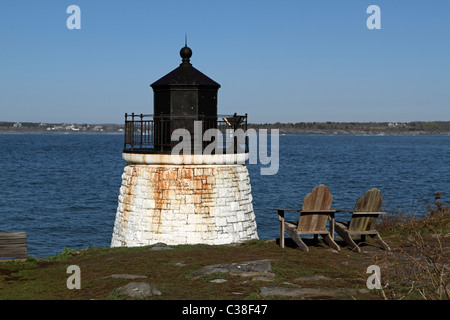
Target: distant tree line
(435, 127)
(415, 127)
(25, 127)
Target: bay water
(62, 189)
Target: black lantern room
(185, 92)
(182, 99)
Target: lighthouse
(180, 184)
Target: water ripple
(62, 189)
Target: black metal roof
(185, 74)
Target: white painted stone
(183, 204)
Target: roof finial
(185, 52)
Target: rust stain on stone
(128, 197)
(203, 183)
(177, 186)
(156, 191)
(166, 197)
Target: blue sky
(287, 61)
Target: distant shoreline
(280, 133)
(307, 128)
(360, 128)
(59, 132)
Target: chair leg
(384, 244)
(294, 235)
(331, 242)
(281, 219)
(346, 237)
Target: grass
(419, 265)
(400, 222)
(170, 271)
(416, 268)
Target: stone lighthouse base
(184, 204)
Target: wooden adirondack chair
(364, 217)
(314, 214)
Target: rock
(242, 269)
(127, 276)
(251, 268)
(300, 292)
(262, 278)
(210, 270)
(281, 291)
(160, 246)
(139, 290)
(312, 278)
(218, 281)
(291, 284)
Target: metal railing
(153, 134)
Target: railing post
(142, 129)
(246, 136)
(125, 135)
(154, 133)
(132, 130)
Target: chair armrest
(363, 212)
(308, 211)
(319, 211)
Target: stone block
(182, 205)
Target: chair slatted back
(319, 199)
(371, 201)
